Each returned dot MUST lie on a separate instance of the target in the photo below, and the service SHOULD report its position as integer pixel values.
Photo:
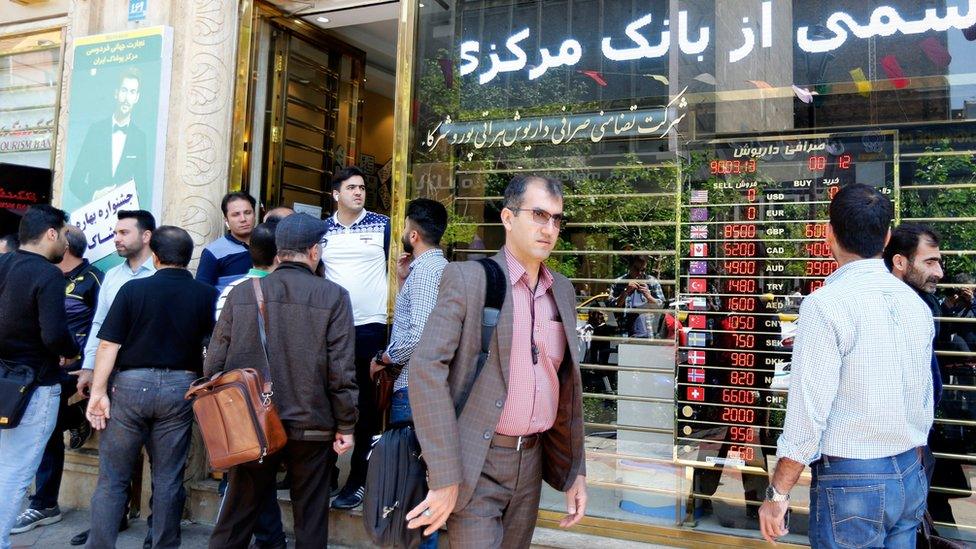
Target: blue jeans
(147, 407)
(399, 412)
(20, 454)
(867, 502)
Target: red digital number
(743, 304)
(738, 415)
(740, 267)
(745, 453)
(740, 286)
(739, 249)
(817, 163)
(744, 341)
(816, 285)
(821, 268)
(844, 161)
(742, 360)
(721, 167)
(751, 194)
(741, 322)
(742, 434)
(815, 230)
(818, 249)
(739, 231)
(832, 192)
(747, 379)
(751, 213)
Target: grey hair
(76, 241)
(515, 191)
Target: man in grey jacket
(310, 354)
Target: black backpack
(396, 481)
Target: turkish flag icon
(697, 285)
(695, 393)
(696, 322)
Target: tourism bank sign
(652, 37)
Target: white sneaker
(33, 518)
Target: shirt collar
(858, 266)
(426, 256)
(517, 272)
(235, 241)
(362, 214)
(147, 265)
(81, 267)
(256, 273)
(173, 272)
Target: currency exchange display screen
(752, 245)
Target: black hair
(429, 218)
(11, 241)
(905, 239)
(237, 195)
(635, 259)
(345, 173)
(77, 244)
(144, 220)
(38, 220)
(131, 74)
(515, 191)
(860, 217)
(262, 247)
(172, 246)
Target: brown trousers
(505, 504)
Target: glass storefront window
(30, 75)
(700, 143)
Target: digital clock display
(753, 245)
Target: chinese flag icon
(697, 286)
(699, 249)
(695, 393)
(696, 322)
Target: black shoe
(79, 436)
(349, 497)
(80, 539)
(147, 543)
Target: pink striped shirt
(533, 389)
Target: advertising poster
(116, 129)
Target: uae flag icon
(695, 393)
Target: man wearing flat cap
(310, 338)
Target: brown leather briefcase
(238, 421)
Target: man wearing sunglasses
(523, 420)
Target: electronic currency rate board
(751, 246)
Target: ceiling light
(322, 19)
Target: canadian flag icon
(699, 249)
(695, 393)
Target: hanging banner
(118, 104)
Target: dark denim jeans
(369, 339)
(147, 406)
(867, 502)
(399, 412)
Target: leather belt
(524, 442)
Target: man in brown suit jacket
(523, 422)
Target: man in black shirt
(33, 332)
(82, 281)
(152, 338)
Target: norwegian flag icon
(695, 393)
(696, 357)
(699, 232)
(696, 375)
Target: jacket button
(487, 435)
(499, 403)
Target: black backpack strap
(494, 297)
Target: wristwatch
(773, 495)
(379, 358)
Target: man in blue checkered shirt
(860, 404)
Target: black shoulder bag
(397, 477)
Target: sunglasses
(542, 217)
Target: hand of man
(84, 381)
(403, 266)
(98, 411)
(575, 503)
(343, 443)
(772, 516)
(374, 368)
(434, 510)
(65, 361)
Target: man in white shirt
(860, 404)
(358, 244)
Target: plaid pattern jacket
(455, 448)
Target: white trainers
(33, 518)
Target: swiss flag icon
(695, 393)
